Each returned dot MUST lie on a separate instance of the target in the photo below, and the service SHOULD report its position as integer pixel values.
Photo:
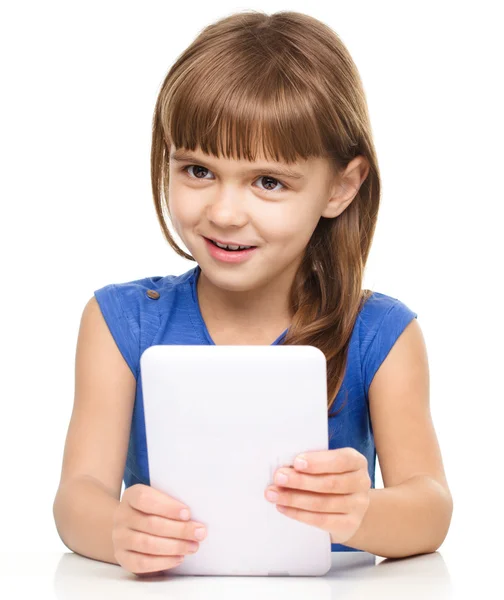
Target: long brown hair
(284, 82)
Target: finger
(323, 503)
(339, 483)
(169, 528)
(143, 564)
(326, 521)
(154, 545)
(154, 502)
(341, 460)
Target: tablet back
(219, 421)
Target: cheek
(292, 228)
(183, 211)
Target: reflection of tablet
(219, 421)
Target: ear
(346, 187)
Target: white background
(79, 82)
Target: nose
(227, 208)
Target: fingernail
(281, 478)
(300, 463)
(200, 533)
(272, 495)
(193, 547)
(184, 514)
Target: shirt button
(153, 294)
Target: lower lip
(228, 255)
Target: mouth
(228, 256)
(239, 249)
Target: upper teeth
(231, 247)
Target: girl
(263, 159)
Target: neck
(267, 304)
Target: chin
(230, 279)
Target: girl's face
(251, 204)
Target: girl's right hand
(148, 533)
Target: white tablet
(219, 421)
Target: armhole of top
(393, 324)
(118, 322)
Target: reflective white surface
(67, 576)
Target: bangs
(244, 111)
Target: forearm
(83, 512)
(403, 520)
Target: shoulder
(141, 295)
(137, 289)
(379, 311)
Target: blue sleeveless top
(165, 310)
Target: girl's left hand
(331, 491)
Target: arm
(412, 513)
(410, 518)
(83, 512)
(97, 441)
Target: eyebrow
(182, 156)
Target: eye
(185, 169)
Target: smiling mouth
(243, 246)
